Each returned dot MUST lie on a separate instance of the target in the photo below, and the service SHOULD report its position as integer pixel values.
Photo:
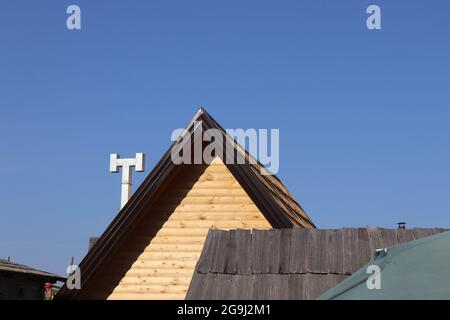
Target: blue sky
(363, 115)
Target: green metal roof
(418, 269)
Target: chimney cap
(401, 225)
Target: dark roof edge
(12, 267)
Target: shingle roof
(287, 263)
(11, 267)
(269, 193)
(285, 207)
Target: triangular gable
(266, 191)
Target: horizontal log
(208, 208)
(216, 176)
(206, 200)
(151, 272)
(163, 264)
(191, 217)
(216, 216)
(149, 280)
(177, 256)
(176, 232)
(217, 168)
(219, 216)
(171, 247)
(155, 280)
(179, 192)
(150, 289)
(192, 231)
(150, 227)
(219, 224)
(171, 240)
(147, 296)
(186, 184)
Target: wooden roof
(268, 193)
(287, 263)
(269, 184)
(12, 267)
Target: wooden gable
(150, 248)
(158, 258)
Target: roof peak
(201, 109)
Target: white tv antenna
(126, 165)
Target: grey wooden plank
(312, 242)
(265, 242)
(317, 251)
(281, 288)
(354, 251)
(409, 235)
(334, 252)
(275, 286)
(299, 251)
(429, 232)
(273, 251)
(243, 254)
(296, 288)
(261, 287)
(363, 251)
(211, 251)
(349, 248)
(234, 286)
(242, 288)
(257, 251)
(420, 233)
(375, 239)
(272, 285)
(204, 262)
(251, 281)
(193, 290)
(214, 286)
(270, 243)
(401, 236)
(389, 237)
(207, 286)
(313, 284)
(232, 253)
(220, 254)
(285, 250)
(225, 285)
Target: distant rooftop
(12, 267)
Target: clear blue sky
(363, 115)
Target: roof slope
(8, 266)
(268, 184)
(267, 192)
(287, 263)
